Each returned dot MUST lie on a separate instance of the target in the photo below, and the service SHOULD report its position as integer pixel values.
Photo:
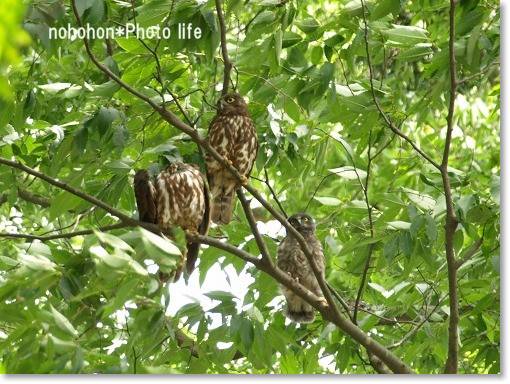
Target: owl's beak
(222, 104)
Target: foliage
(93, 303)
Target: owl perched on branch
(292, 260)
(178, 197)
(232, 134)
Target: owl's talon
(192, 232)
(323, 302)
(244, 181)
(228, 161)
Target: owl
(178, 197)
(232, 134)
(293, 261)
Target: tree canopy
(378, 118)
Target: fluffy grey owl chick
(292, 260)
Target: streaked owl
(178, 197)
(292, 260)
(232, 134)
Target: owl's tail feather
(222, 207)
(301, 316)
(203, 228)
(192, 256)
(178, 273)
(145, 197)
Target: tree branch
(223, 246)
(372, 232)
(340, 300)
(253, 225)
(469, 253)
(393, 362)
(63, 235)
(82, 195)
(413, 331)
(227, 64)
(385, 117)
(29, 197)
(451, 220)
(271, 190)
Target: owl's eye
(230, 100)
(306, 219)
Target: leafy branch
(451, 220)
(127, 220)
(383, 114)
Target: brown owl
(179, 197)
(292, 260)
(232, 134)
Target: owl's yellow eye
(230, 100)
(305, 219)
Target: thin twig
(413, 331)
(371, 226)
(271, 190)
(470, 252)
(253, 225)
(385, 117)
(227, 64)
(340, 300)
(63, 235)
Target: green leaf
(417, 223)
(114, 241)
(63, 323)
(220, 295)
(115, 260)
(64, 202)
(308, 25)
(61, 346)
(495, 189)
(246, 333)
(37, 263)
(265, 17)
(316, 55)
(290, 39)
(278, 43)
(390, 249)
(384, 7)
(132, 45)
(431, 228)
(329, 201)
(349, 173)
(422, 200)
(399, 224)
(8, 261)
(406, 35)
(55, 87)
(163, 244)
